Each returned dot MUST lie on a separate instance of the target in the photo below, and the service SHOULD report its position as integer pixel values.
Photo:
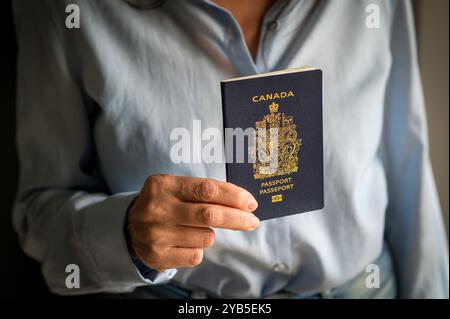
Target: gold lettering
(272, 96)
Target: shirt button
(274, 25)
(279, 267)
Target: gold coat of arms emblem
(275, 145)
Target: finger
(183, 257)
(187, 237)
(218, 216)
(216, 192)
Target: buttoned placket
(241, 58)
(238, 50)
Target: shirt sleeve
(414, 226)
(64, 213)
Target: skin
(170, 223)
(249, 14)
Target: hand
(170, 223)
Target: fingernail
(255, 222)
(252, 204)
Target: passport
(274, 139)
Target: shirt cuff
(153, 275)
(109, 249)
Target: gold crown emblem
(273, 107)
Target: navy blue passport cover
(292, 102)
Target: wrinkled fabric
(96, 106)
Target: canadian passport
(274, 139)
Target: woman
(96, 106)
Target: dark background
(20, 276)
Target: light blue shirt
(96, 106)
